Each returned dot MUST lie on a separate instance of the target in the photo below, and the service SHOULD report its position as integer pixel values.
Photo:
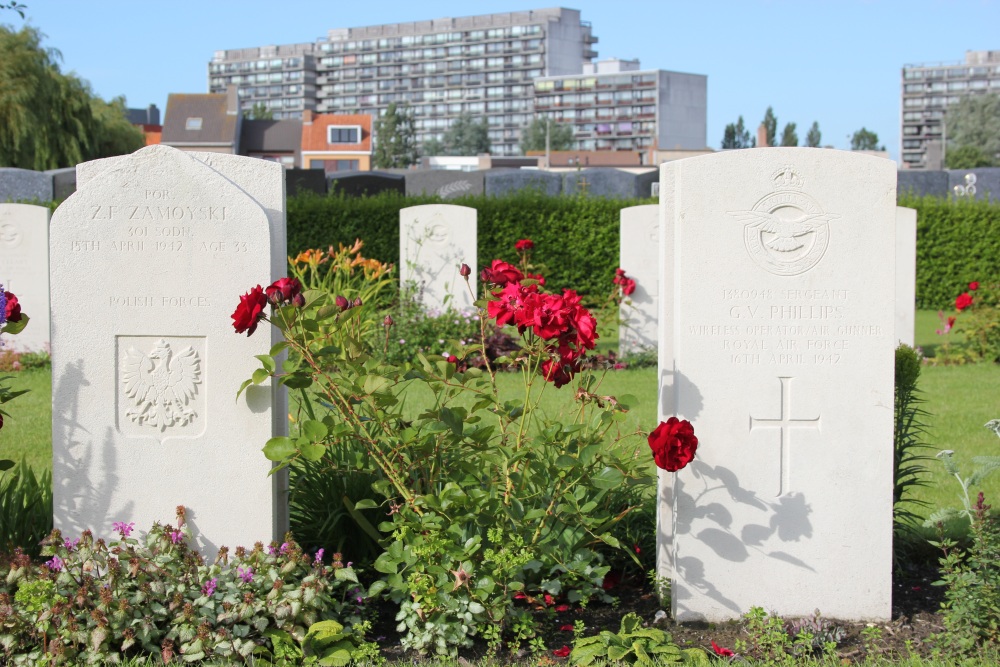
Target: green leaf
(16, 327)
(277, 348)
(314, 430)
(260, 375)
(312, 451)
(246, 383)
(279, 449)
(607, 478)
(267, 361)
(628, 401)
(336, 658)
(565, 461)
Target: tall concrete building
(927, 91)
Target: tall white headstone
(24, 269)
(781, 266)
(434, 241)
(148, 261)
(906, 273)
(639, 257)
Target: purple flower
(71, 544)
(209, 588)
(319, 557)
(246, 574)
(272, 550)
(284, 548)
(125, 529)
(176, 536)
(55, 564)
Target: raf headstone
(906, 273)
(639, 258)
(434, 241)
(145, 370)
(782, 271)
(24, 269)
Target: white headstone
(434, 241)
(639, 257)
(781, 273)
(148, 262)
(906, 273)
(24, 269)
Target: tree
(865, 140)
(770, 124)
(258, 112)
(975, 122)
(48, 119)
(467, 136)
(967, 157)
(737, 136)
(432, 146)
(813, 136)
(788, 135)
(533, 136)
(395, 139)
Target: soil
(915, 617)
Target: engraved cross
(785, 424)
(584, 185)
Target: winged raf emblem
(160, 385)
(785, 233)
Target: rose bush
(12, 321)
(976, 325)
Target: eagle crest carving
(160, 385)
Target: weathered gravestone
(24, 185)
(145, 370)
(779, 266)
(365, 183)
(906, 273)
(601, 182)
(922, 183)
(434, 241)
(500, 182)
(63, 182)
(445, 184)
(305, 180)
(639, 257)
(24, 269)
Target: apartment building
(615, 105)
(927, 91)
(282, 79)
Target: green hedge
(958, 241)
(576, 238)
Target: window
(193, 124)
(343, 134)
(330, 166)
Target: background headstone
(305, 180)
(164, 245)
(921, 183)
(434, 241)
(644, 184)
(781, 266)
(639, 257)
(63, 182)
(501, 182)
(24, 269)
(365, 183)
(24, 185)
(444, 183)
(600, 182)
(906, 273)
(985, 179)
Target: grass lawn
(960, 399)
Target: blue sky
(832, 61)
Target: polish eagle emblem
(160, 385)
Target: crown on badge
(786, 178)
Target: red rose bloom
(974, 285)
(283, 290)
(501, 273)
(509, 307)
(524, 244)
(722, 651)
(566, 628)
(628, 286)
(963, 301)
(536, 276)
(673, 443)
(13, 311)
(561, 652)
(250, 311)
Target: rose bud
(452, 359)
(298, 301)
(357, 302)
(464, 271)
(342, 302)
(387, 322)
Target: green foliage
(49, 119)
(865, 140)
(467, 136)
(772, 641)
(633, 645)
(737, 136)
(258, 112)
(957, 243)
(25, 509)
(985, 466)
(395, 140)
(968, 157)
(770, 123)
(974, 122)
(789, 137)
(908, 438)
(158, 597)
(560, 136)
(814, 137)
(417, 331)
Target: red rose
(673, 443)
(510, 305)
(536, 276)
(963, 301)
(562, 608)
(721, 651)
(628, 286)
(566, 628)
(13, 311)
(561, 652)
(524, 244)
(549, 599)
(974, 285)
(283, 290)
(501, 273)
(250, 311)
(452, 359)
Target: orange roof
(315, 134)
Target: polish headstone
(434, 241)
(24, 269)
(146, 367)
(639, 257)
(906, 273)
(781, 271)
